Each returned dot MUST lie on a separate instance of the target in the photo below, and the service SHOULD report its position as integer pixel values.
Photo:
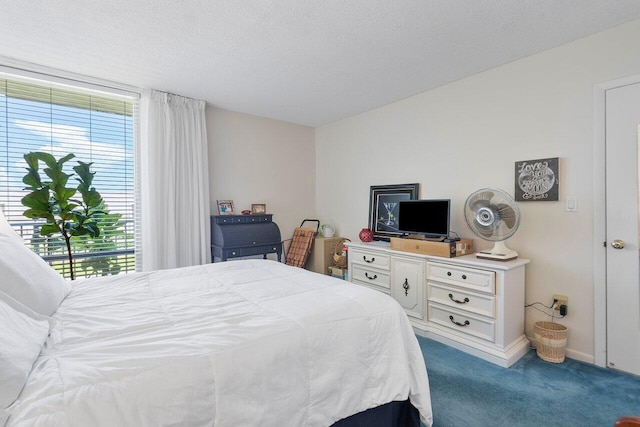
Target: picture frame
(225, 207)
(258, 208)
(383, 208)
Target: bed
(240, 343)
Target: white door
(623, 272)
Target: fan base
(499, 252)
(496, 257)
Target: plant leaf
(47, 158)
(38, 199)
(85, 176)
(32, 178)
(65, 159)
(32, 160)
(35, 213)
(49, 229)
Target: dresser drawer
(228, 219)
(470, 278)
(462, 322)
(375, 288)
(241, 219)
(251, 250)
(371, 276)
(251, 219)
(371, 259)
(456, 298)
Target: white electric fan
(493, 215)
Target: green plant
(113, 238)
(53, 200)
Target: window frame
(94, 89)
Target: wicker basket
(551, 341)
(340, 257)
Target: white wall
(257, 160)
(468, 135)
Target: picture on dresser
(225, 207)
(383, 208)
(258, 208)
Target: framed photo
(537, 180)
(258, 208)
(383, 208)
(225, 207)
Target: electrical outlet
(559, 300)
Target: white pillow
(21, 340)
(29, 279)
(7, 229)
(21, 308)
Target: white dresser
(468, 303)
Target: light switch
(572, 204)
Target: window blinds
(96, 127)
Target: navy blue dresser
(235, 236)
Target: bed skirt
(393, 414)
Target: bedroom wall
(258, 160)
(467, 135)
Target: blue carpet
(468, 391)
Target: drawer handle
(375, 276)
(466, 322)
(448, 273)
(406, 286)
(464, 276)
(364, 257)
(466, 300)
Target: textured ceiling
(303, 61)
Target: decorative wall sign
(383, 208)
(537, 180)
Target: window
(96, 127)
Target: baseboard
(571, 354)
(504, 357)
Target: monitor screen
(427, 217)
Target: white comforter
(240, 343)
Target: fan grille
(492, 214)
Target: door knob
(617, 244)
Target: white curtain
(173, 182)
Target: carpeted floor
(468, 391)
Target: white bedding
(240, 343)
